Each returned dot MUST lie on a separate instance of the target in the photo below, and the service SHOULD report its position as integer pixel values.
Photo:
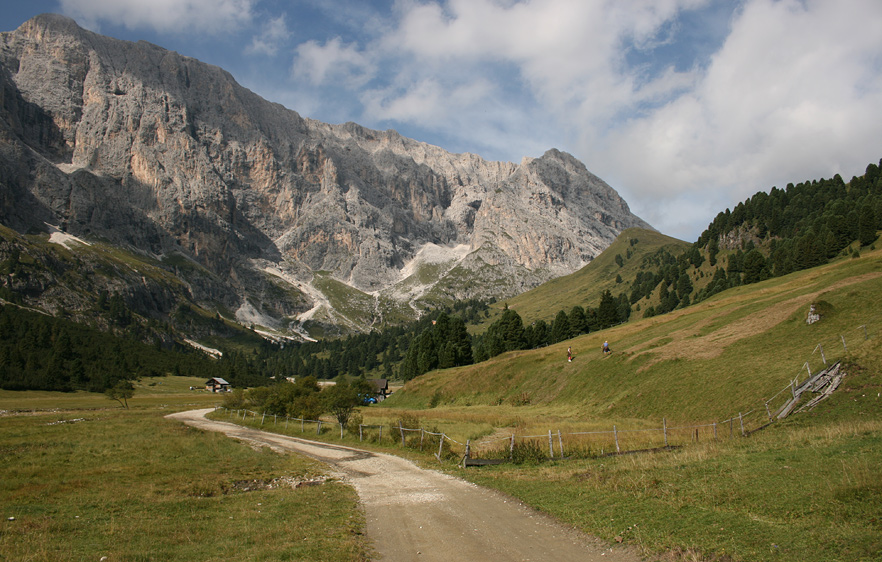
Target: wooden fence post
(360, 434)
(665, 429)
(741, 420)
(341, 431)
(380, 438)
(401, 430)
(468, 452)
(440, 448)
(768, 412)
(511, 448)
(263, 417)
(560, 443)
(422, 435)
(550, 445)
(843, 344)
(731, 430)
(286, 421)
(616, 435)
(318, 430)
(302, 421)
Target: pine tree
(539, 334)
(866, 225)
(560, 328)
(578, 322)
(461, 342)
(684, 285)
(607, 312)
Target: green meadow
(83, 478)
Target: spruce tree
(607, 312)
(560, 328)
(866, 225)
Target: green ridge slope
(585, 286)
(726, 355)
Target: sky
(685, 107)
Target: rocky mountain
(261, 214)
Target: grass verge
(810, 494)
(134, 486)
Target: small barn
(217, 384)
(381, 388)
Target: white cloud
(428, 103)
(568, 53)
(333, 61)
(164, 16)
(274, 33)
(792, 95)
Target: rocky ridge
(286, 219)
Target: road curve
(418, 514)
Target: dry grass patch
(690, 343)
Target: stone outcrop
(145, 148)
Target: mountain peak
(139, 146)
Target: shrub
(528, 452)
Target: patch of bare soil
(259, 484)
(418, 514)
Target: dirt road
(417, 514)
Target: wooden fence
(613, 441)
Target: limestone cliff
(142, 147)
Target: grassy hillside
(585, 286)
(725, 355)
(805, 488)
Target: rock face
(145, 148)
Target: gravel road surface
(414, 514)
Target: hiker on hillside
(606, 349)
(570, 354)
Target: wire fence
(612, 441)
(371, 433)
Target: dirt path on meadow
(418, 514)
